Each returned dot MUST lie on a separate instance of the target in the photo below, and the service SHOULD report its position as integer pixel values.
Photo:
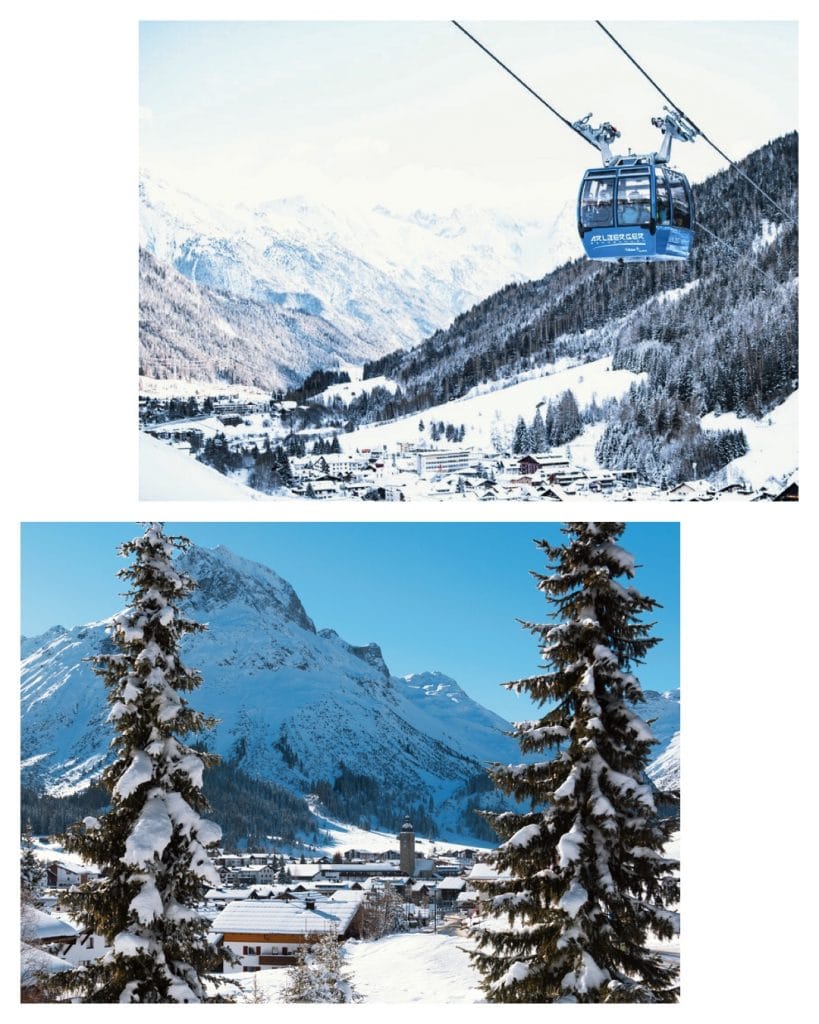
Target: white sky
(413, 114)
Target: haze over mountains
(299, 707)
(299, 285)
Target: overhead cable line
(517, 78)
(740, 255)
(712, 144)
(568, 123)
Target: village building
(406, 844)
(438, 462)
(692, 490)
(270, 933)
(64, 874)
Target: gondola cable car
(635, 208)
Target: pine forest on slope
(727, 343)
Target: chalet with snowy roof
(261, 874)
(356, 488)
(528, 465)
(449, 889)
(421, 891)
(40, 928)
(269, 933)
(789, 493)
(484, 872)
(35, 964)
(63, 874)
(303, 872)
(486, 490)
(468, 900)
(734, 491)
(553, 492)
(324, 487)
(692, 490)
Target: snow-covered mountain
(294, 705)
(383, 280)
(193, 333)
(664, 771)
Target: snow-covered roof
(483, 872)
(34, 961)
(288, 917)
(304, 870)
(452, 883)
(381, 867)
(40, 926)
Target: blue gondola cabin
(635, 210)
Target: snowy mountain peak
(373, 279)
(34, 643)
(370, 653)
(437, 693)
(223, 577)
(434, 684)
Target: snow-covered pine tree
(319, 975)
(32, 872)
(582, 875)
(151, 845)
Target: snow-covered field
(773, 443)
(152, 388)
(488, 412)
(405, 968)
(168, 474)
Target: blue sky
(411, 113)
(435, 596)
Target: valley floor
(396, 460)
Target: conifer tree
(521, 442)
(32, 872)
(582, 875)
(319, 975)
(151, 845)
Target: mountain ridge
(301, 708)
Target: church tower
(406, 840)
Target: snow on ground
(768, 233)
(415, 967)
(489, 412)
(773, 442)
(169, 474)
(406, 968)
(152, 388)
(348, 837)
(357, 386)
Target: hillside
(717, 334)
(197, 333)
